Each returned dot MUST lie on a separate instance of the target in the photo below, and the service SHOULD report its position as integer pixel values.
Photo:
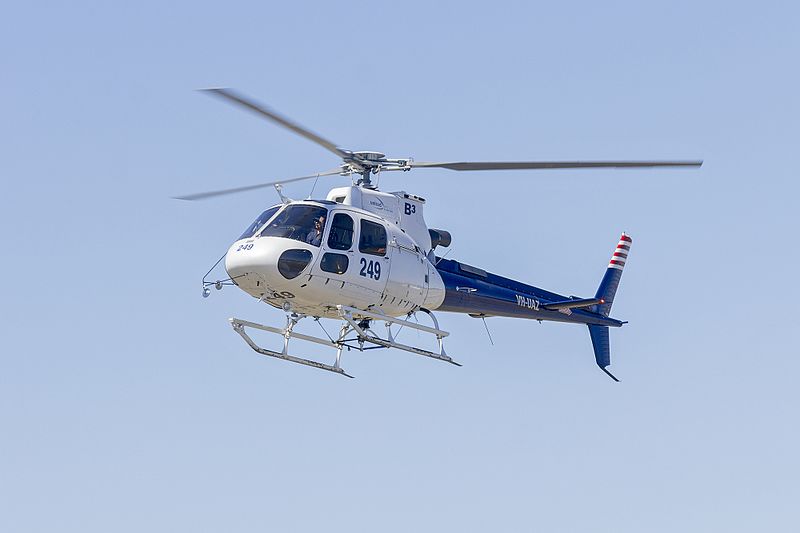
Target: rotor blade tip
(220, 91)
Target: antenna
(313, 187)
(279, 188)
(487, 330)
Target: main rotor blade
(211, 194)
(242, 101)
(522, 165)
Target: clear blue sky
(127, 404)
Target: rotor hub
(370, 156)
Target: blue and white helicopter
(366, 257)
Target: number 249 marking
(371, 269)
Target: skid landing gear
(355, 321)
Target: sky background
(128, 404)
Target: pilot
(315, 235)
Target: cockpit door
(372, 257)
(336, 250)
(353, 261)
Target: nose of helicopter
(267, 261)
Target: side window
(336, 263)
(341, 235)
(373, 238)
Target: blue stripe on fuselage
(474, 291)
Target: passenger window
(336, 263)
(341, 235)
(373, 238)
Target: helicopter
(365, 257)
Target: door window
(341, 234)
(373, 238)
(335, 263)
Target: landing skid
(354, 321)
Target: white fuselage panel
(351, 268)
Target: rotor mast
(369, 163)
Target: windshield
(260, 221)
(305, 223)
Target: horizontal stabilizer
(572, 304)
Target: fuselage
(308, 257)
(353, 257)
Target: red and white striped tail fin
(608, 286)
(621, 253)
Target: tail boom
(475, 292)
(480, 294)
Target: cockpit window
(262, 219)
(304, 223)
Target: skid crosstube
(353, 321)
(239, 325)
(347, 314)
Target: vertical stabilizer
(602, 348)
(610, 282)
(606, 292)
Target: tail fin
(608, 286)
(602, 348)
(605, 292)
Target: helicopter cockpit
(300, 222)
(304, 223)
(265, 254)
